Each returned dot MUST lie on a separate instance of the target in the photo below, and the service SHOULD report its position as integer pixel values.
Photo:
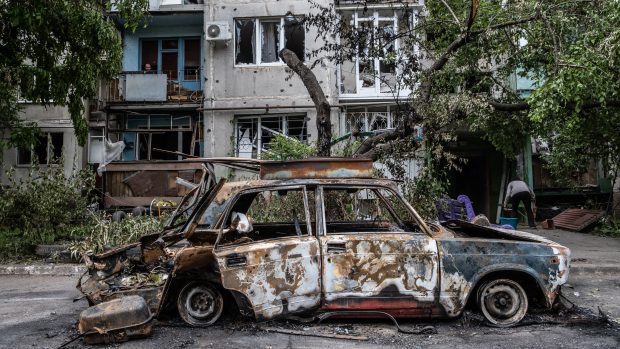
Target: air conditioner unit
(217, 31)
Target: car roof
(231, 188)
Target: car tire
(503, 302)
(200, 304)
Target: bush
(47, 207)
(609, 226)
(423, 192)
(42, 207)
(287, 148)
(102, 233)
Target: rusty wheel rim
(200, 304)
(503, 302)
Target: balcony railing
(182, 86)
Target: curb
(43, 269)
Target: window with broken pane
(46, 150)
(272, 214)
(254, 134)
(362, 210)
(259, 40)
(368, 119)
(375, 67)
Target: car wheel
(200, 304)
(503, 302)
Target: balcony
(182, 86)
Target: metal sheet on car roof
(317, 168)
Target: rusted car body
(322, 235)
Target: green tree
(462, 57)
(53, 52)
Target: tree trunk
(323, 108)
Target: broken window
(253, 134)
(368, 119)
(178, 58)
(259, 41)
(362, 210)
(272, 214)
(46, 150)
(373, 67)
(159, 137)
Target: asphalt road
(39, 312)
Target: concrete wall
(232, 90)
(230, 85)
(49, 119)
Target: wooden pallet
(576, 219)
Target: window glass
(192, 59)
(149, 54)
(40, 149)
(24, 156)
(170, 44)
(360, 210)
(244, 39)
(270, 41)
(55, 150)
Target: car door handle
(236, 260)
(336, 247)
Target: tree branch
(323, 108)
(456, 19)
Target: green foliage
(55, 52)
(48, 207)
(101, 233)
(610, 226)
(287, 148)
(423, 192)
(46, 202)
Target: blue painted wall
(160, 27)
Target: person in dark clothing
(518, 191)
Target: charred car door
(372, 258)
(268, 252)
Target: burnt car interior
(271, 213)
(362, 210)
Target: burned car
(322, 235)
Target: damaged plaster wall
(233, 89)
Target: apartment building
(57, 144)
(152, 106)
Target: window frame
(284, 125)
(322, 227)
(258, 35)
(373, 16)
(48, 136)
(222, 220)
(179, 50)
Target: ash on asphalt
(470, 330)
